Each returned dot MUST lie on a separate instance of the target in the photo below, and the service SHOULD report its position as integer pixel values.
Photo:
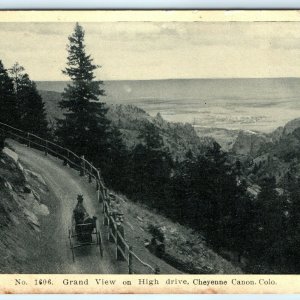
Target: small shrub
(156, 232)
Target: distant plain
(234, 104)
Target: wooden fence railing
(115, 228)
(123, 251)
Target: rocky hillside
(185, 249)
(224, 137)
(250, 143)
(273, 154)
(23, 208)
(178, 137)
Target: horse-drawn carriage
(84, 232)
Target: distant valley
(129, 119)
(217, 108)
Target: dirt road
(64, 185)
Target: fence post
(82, 169)
(130, 265)
(90, 174)
(107, 199)
(104, 196)
(106, 219)
(111, 229)
(119, 242)
(99, 188)
(46, 148)
(103, 207)
(98, 179)
(65, 162)
(83, 162)
(98, 196)
(102, 193)
(28, 134)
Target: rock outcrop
(179, 138)
(249, 143)
(22, 195)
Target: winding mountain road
(64, 184)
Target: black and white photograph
(150, 147)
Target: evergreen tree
(17, 73)
(215, 201)
(151, 137)
(85, 128)
(269, 223)
(31, 112)
(115, 165)
(292, 232)
(151, 168)
(8, 111)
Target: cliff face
(22, 193)
(249, 143)
(178, 137)
(273, 154)
(256, 143)
(291, 126)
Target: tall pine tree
(31, 113)
(8, 107)
(85, 128)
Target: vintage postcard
(150, 151)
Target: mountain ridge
(178, 137)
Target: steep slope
(178, 138)
(291, 126)
(275, 154)
(24, 209)
(186, 249)
(249, 143)
(256, 143)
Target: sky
(155, 50)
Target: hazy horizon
(187, 78)
(158, 50)
(257, 104)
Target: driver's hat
(80, 197)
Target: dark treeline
(21, 105)
(208, 193)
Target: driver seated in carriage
(84, 224)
